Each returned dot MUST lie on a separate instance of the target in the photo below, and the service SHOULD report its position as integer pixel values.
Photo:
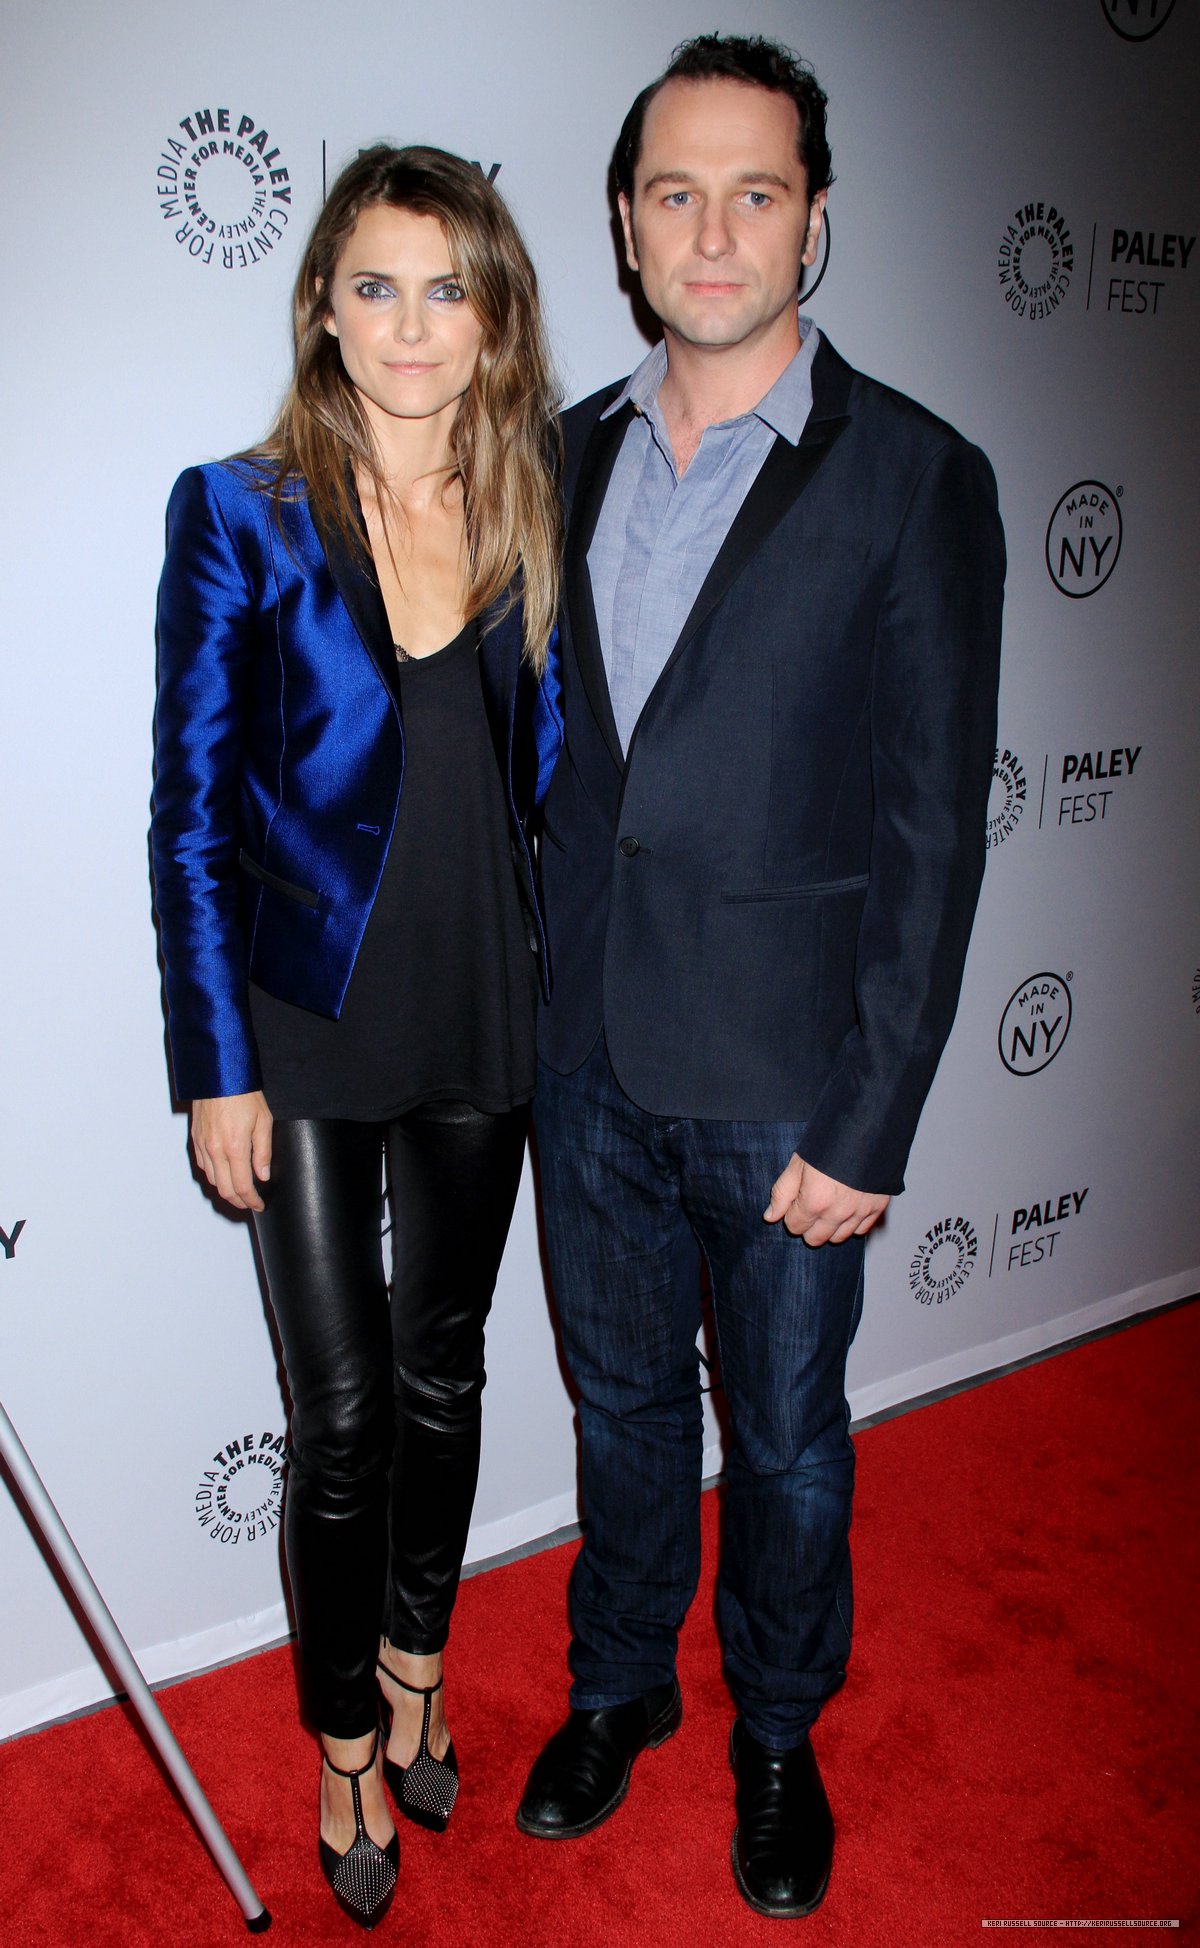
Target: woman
(357, 714)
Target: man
(762, 851)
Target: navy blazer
(766, 903)
(280, 761)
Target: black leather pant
(384, 1454)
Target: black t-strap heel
(363, 1878)
(426, 1790)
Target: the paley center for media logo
(1035, 260)
(943, 1260)
(224, 188)
(239, 1496)
(1006, 802)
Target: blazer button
(629, 847)
(533, 941)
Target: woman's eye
(371, 289)
(451, 292)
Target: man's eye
(757, 199)
(676, 199)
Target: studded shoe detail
(363, 1878)
(426, 1790)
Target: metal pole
(100, 1618)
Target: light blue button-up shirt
(659, 533)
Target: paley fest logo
(947, 1254)
(1131, 253)
(1083, 539)
(1035, 261)
(1137, 20)
(225, 188)
(240, 1495)
(8, 1239)
(1007, 800)
(1035, 1023)
(1034, 1229)
(1093, 778)
(1089, 783)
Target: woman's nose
(410, 323)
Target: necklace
(402, 654)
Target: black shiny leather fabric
(386, 1389)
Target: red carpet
(1017, 1738)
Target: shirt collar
(784, 408)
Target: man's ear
(816, 216)
(623, 206)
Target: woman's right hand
(231, 1136)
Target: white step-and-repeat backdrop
(1013, 232)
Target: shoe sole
(662, 1729)
(774, 1910)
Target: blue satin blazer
(280, 761)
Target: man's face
(721, 222)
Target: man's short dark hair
(737, 57)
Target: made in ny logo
(1035, 261)
(1007, 800)
(1137, 20)
(240, 1497)
(1083, 539)
(224, 188)
(943, 1261)
(1035, 1023)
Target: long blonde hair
(504, 445)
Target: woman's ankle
(348, 1754)
(416, 1668)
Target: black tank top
(441, 1002)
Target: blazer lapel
(595, 471)
(499, 660)
(354, 579)
(778, 485)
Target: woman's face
(408, 338)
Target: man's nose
(714, 236)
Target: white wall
(133, 1345)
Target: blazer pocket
(548, 832)
(814, 890)
(301, 894)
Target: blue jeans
(628, 1198)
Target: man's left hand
(819, 1209)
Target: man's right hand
(231, 1136)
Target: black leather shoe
(582, 1773)
(783, 1841)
